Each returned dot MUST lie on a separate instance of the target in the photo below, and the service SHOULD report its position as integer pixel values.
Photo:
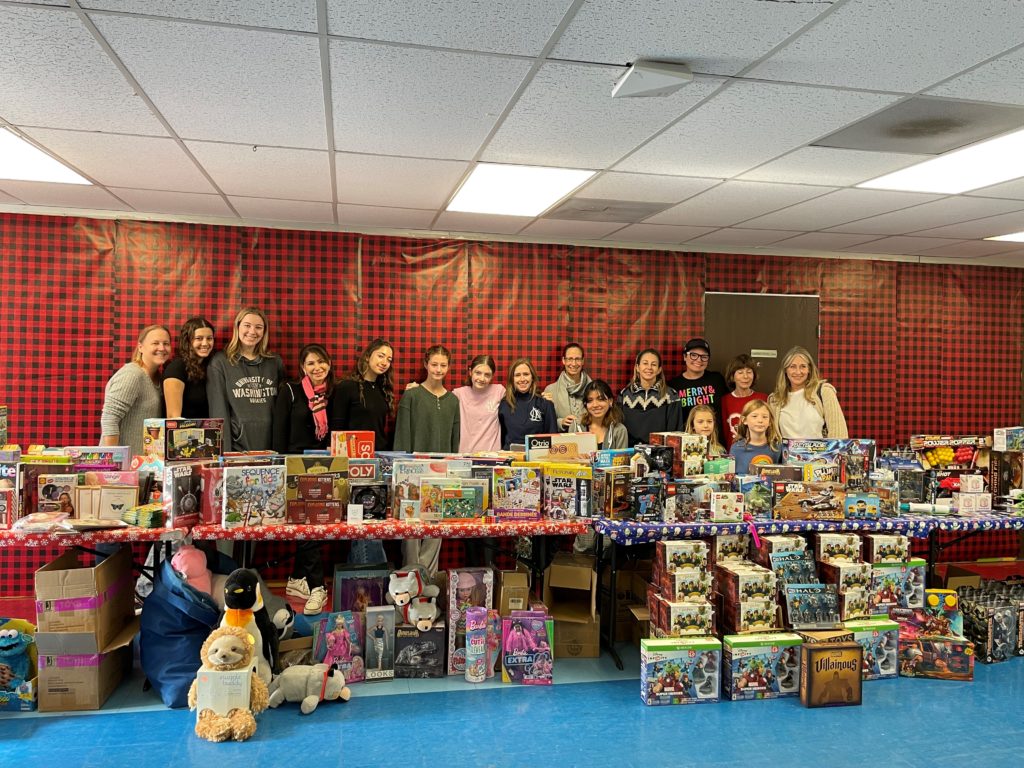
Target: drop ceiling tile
(713, 36)
(401, 101)
(937, 214)
(288, 174)
(174, 203)
(743, 238)
(585, 230)
(1013, 190)
(142, 162)
(63, 3)
(393, 218)
(63, 195)
(834, 167)
(735, 201)
(998, 81)
(904, 46)
(455, 221)
(264, 209)
(644, 188)
(396, 182)
(299, 15)
(658, 233)
(900, 246)
(225, 84)
(747, 124)
(968, 248)
(593, 130)
(823, 241)
(838, 208)
(522, 27)
(992, 226)
(64, 79)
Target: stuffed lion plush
(229, 648)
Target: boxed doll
(467, 587)
(527, 641)
(380, 643)
(338, 638)
(880, 639)
(679, 670)
(763, 666)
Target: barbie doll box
(467, 588)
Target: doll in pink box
(339, 643)
(519, 640)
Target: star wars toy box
(837, 547)
(757, 495)
(855, 457)
(516, 494)
(353, 444)
(419, 654)
(846, 576)
(183, 493)
(568, 491)
(830, 674)
(886, 548)
(467, 587)
(192, 439)
(897, 585)
(808, 501)
(880, 639)
(562, 447)
(762, 666)
(863, 506)
(611, 492)
(680, 670)
(688, 451)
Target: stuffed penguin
(243, 601)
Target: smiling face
(697, 361)
(155, 349)
(316, 368)
(379, 362)
(572, 361)
(647, 369)
(522, 379)
(797, 372)
(202, 342)
(250, 332)
(437, 368)
(597, 406)
(481, 376)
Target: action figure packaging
(794, 567)
(886, 548)
(680, 670)
(830, 674)
(787, 542)
(763, 666)
(992, 627)
(808, 501)
(937, 657)
(670, 556)
(691, 618)
(744, 581)
(757, 495)
(854, 604)
(729, 547)
(837, 548)
(863, 506)
(684, 585)
(880, 639)
(897, 585)
(757, 615)
(811, 606)
(846, 575)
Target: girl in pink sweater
(478, 405)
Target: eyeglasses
(573, 359)
(698, 356)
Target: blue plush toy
(14, 658)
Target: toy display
(937, 657)
(691, 501)
(854, 457)
(897, 585)
(837, 547)
(863, 506)
(764, 666)
(527, 641)
(516, 494)
(727, 507)
(338, 641)
(830, 674)
(227, 693)
(467, 587)
(419, 653)
(254, 496)
(788, 542)
(191, 439)
(568, 491)
(680, 671)
(356, 589)
(683, 585)
(308, 685)
(811, 606)
(380, 643)
(808, 501)
(793, 567)
(757, 495)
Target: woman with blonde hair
(133, 393)
(804, 404)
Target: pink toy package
(526, 650)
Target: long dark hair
(320, 351)
(614, 415)
(385, 380)
(195, 366)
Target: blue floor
(578, 722)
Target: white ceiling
(367, 115)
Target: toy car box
(680, 670)
(762, 666)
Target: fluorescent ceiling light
(515, 190)
(21, 161)
(1013, 237)
(979, 165)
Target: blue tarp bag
(176, 620)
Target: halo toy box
(897, 585)
(794, 567)
(811, 606)
(830, 674)
(763, 666)
(837, 547)
(680, 670)
(880, 639)
(787, 542)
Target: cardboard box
(577, 640)
(77, 682)
(94, 603)
(570, 588)
(826, 635)
(880, 640)
(764, 666)
(830, 674)
(680, 671)
(513, 591)
(419, 654)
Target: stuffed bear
(229, 648)
(14, 658)
(407, 584)
(422, 612)
(309, 685)
(244, 608)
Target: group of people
(245, 385)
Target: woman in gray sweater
(132, 394)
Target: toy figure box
(680, 671)
(418, 653)
(678, 619)
(727, 507)
(993, 628)
(183, 493)
(516, 494)
(191, 439)
(808, 501)
(757, 615)
(744, 581)
(1008, 439)
(757, 495)
(764, 666)
(467, 587)
(562, 446)
(837, 547)
(811, 606)
(568, 491)
(863, 506)
(846, 575)
(647, 499)
(611, 492)
(886, 548)
(880, 640)
(527, 643)
(254, 496)
(680, 585)
(380, 643)
(794, 567)
(788, 542)
(897, 585)
(729, 547)
(684, 555)
(854, 604)
(937, 657)
(830, 674)
(688, 452)
(19, 683)
(692, 500)
(855, 457)
(1005, 472)
(338, 638)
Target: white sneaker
(316, 602)
(297, 588)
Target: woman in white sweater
(133, 393)
(804, 404)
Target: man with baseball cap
(697, 385)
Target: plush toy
(282, 615)
(191, 563)
(229, 648)
(244, 608)
(15, 663)
(309, 685)
(407, 584)
(422, 612)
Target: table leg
(608, 618)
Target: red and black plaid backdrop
(910, 347)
